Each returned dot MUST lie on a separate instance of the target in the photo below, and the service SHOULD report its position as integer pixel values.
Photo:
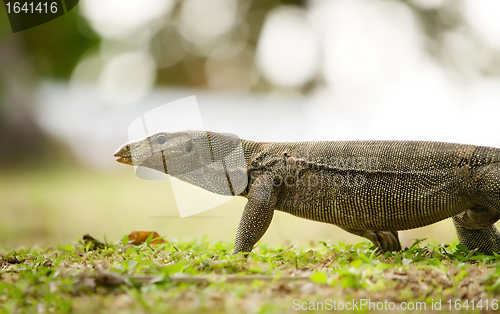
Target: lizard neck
(250, 149)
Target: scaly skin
(369, 188)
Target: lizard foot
(384, 241)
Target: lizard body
(369, 188)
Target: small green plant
(203, 277)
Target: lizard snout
(123, 155)
(123, 151)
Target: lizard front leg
(384, 241)
(257, 215)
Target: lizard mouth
(123, 155)
(124, 160)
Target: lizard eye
(161, 139)
(189, 146)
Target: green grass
(203, 277)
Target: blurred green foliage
(55, 47)
(49, 50)
(52, 50)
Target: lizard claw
(384, 241)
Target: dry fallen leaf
(139, 237)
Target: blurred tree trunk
(20, 138)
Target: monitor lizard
(369, 188)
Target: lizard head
(206, 159)
(154, 151)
